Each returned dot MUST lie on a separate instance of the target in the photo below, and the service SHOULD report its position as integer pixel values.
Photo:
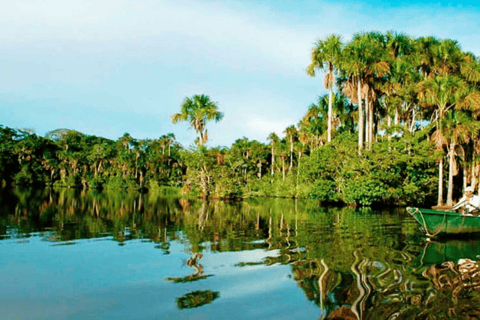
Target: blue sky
(107, 67)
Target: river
(67, 254)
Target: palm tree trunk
(397, 119)
(291, 153)
(370, 122)
(440, 183)
(450, 175)
(367, 122)
(330, 115)
(473, 181)
(360, 116)
(412, 125)
(273, 158)
(389, 123)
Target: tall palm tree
(273, 141)
(353, 65)
(458, 127)
(424, 57)
(442, 93)
(325, 56)
(313, 123)
(377, 65)
(291, 134)
(197, 110)
(445, 93)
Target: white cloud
(156, 29)
(139, 59)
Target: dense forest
(398, 126)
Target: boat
(445, 223)
(439, 251)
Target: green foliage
(119, 184)
(395, 172)
(96, 183)
(155, 188)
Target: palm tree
(283, 153)
(273, 141)
(197, 110)
(352, 66)
(458, 127)
(291, 133)
(442, 93)
(325, 56)
(445, 93)
(126, 140)
(312, 124)
(376, 67)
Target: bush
(117, 183)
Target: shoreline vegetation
(398, 126)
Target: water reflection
(196, 299)
(197, 274)
(349, 263)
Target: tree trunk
(370, 122)
(291, 153)
(440, 183)
(473, 181)
(367, 121)
(464, 179)
(412, 125)
(389, 123)
(273, 159)
(203, 181)
(330, 115)
(397, 117)
(360, 116)
(450, 175)
(283, 167)
(474, 174)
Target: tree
(273, 142)
(291, 134)
(458, 127)
(352, 66)
(197, 110)
(442, 92)
(325, 56)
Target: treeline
(394, 172)
(67, 158)
(405, 111)
(396, 81)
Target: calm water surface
(74, 255)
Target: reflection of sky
(98, 279)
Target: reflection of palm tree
(196, 299)
(194, 263)
(342, 313)
(362, 285)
